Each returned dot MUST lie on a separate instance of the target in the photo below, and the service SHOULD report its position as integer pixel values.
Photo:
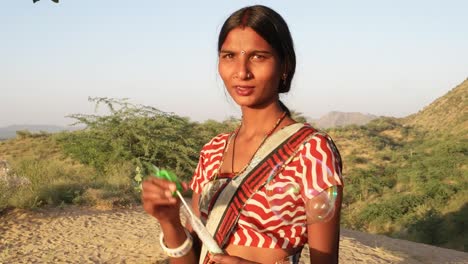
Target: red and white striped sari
(314, 164)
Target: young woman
(257, 63)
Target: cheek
(270, 76)
(223, 71)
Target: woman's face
(250, 68)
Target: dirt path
(81, 235)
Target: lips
(244, 90)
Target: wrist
(179, 251)
(174, 233)
(171, 225)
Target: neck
(258, 122)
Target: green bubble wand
(196, 223)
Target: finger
(158, 196)
(165, 184)
(160, 202)
(154, 185)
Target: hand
(220, 258)
(158, 200)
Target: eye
(227, 56)
(258, 57)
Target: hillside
(10, 131)
(448, 113)
(339, 119)
(407, 177)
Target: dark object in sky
(56, 1)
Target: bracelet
(180, 251)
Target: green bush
(429, 229)
(44, 182)
(140, 135)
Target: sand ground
(84, 235)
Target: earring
(284, 78)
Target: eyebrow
(254, 51)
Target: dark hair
(271, 27)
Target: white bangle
(180, 251)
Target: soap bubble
(285, 191)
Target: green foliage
(36, 182)
(103, 157)
(89, 147)
(133, 133)
(41, 182)
(139, 134)
(406, 193)
(382, 124)
(22, 134)
(391, 209)
(365, 184)
(356, 159)
(428, 228)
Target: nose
(243, 69)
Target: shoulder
(322, 159)
(316, 134)
(216, 143)
(210, 155)
(318, 142)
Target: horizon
(385, 59)
(70, 125)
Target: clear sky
(381, 57)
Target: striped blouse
(273, 218)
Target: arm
(324, 237)
(197, 244)
(158, 201)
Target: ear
(284, 70)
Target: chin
(251, 104)
(253, 101)
(245, 102)
(241, 100)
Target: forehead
(245, 39)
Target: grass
(51, 179)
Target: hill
(10, 131)
(448, 113)
(339, 119)
(407, 177)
